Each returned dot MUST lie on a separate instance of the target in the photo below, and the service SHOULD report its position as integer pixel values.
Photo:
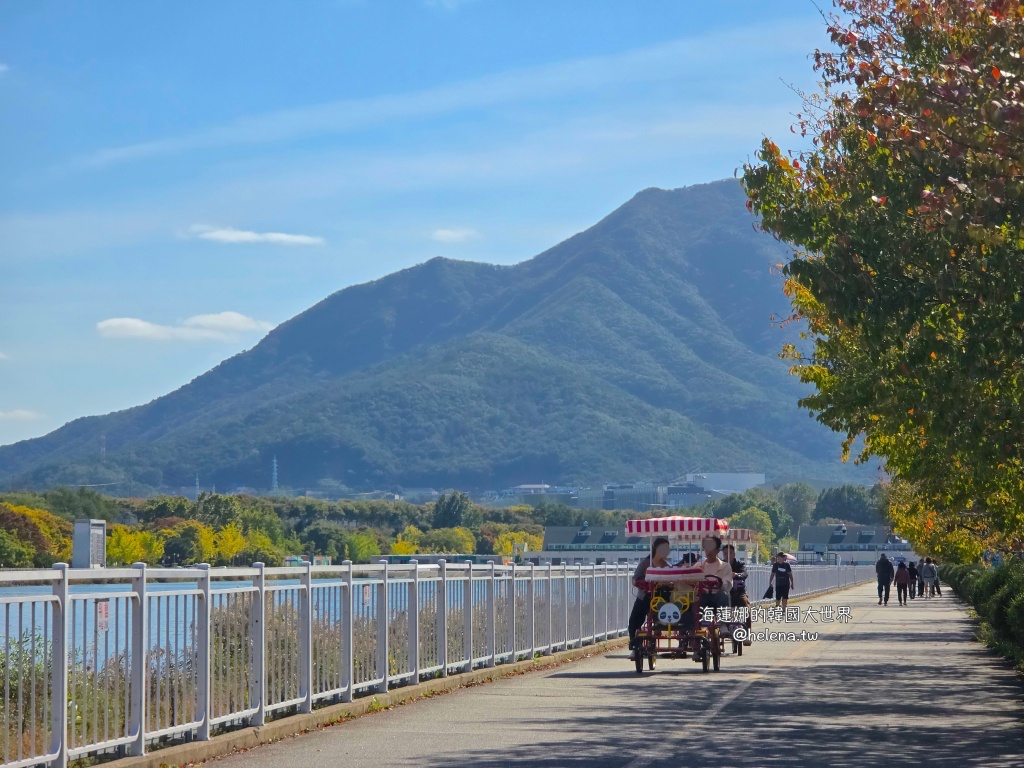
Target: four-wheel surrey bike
(675, 627)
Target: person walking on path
(912, 570)
(782, 579)
(938, 589)
(902, 579)
(885, 573)
(928, 573)
(920, 578)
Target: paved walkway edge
(247, 738)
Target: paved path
(895, 686)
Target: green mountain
(640, 348)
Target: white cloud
(232, 235)
(677, 144)
(224, 326)
(20, 414)
(457, 235)
(231, 322)
(4, 69)
(3, 356)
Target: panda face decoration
(669, 613)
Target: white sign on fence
(102, 615)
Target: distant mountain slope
(639, 348)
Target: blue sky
(179, 177)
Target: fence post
(492, 617)
(565, 604)
(306, 639)
(442, 620)
(467, 603)
(414, 622)
(531, 624)
(621, 601)
(612, 622)
(257, 638)
(140, 641)
(605, 629)
(511, 608)
(347, 637)
(551, 612)
(59, 670)
(203, 654)
(579, 604)
(383, 666)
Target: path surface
(894, 686)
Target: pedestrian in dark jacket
(902, 579)
(885, 573)
(920, 578)
(912, 570)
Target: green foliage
(79, 503)
(997, 594)
(66, 503)
(756, 520)
(162, 507)
(851, 504)
(363, 547)
(190, 542)
(908, 220)
(455, 509)
(321, 535)
(260, 548)
(263, 520)
(787, 507)
(799, 501)
(14, 553)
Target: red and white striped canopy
(706, 526)
(687, 528)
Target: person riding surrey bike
(645, 590)
(716, 571)
(738, 593)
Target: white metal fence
(115, 660)
(809, 579)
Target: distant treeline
(35, 528)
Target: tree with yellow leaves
(507, 544)
(229, 543)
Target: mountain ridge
(660, 313)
